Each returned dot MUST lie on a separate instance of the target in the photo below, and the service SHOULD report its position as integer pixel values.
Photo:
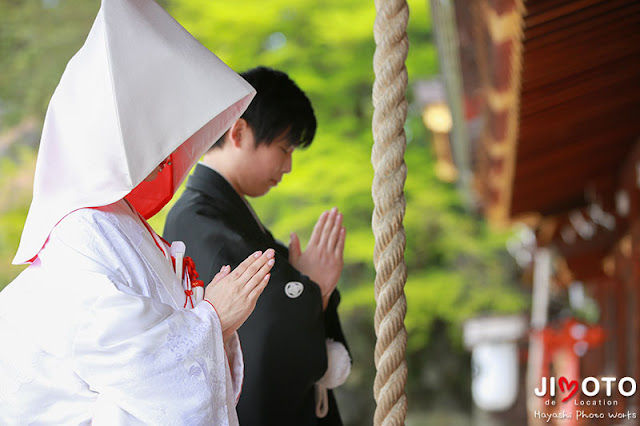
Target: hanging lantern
(494, 383)
(494, 356)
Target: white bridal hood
(141, 88)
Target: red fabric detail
(190, 268)
(148, 198)
(189, 293)
(188, 265)
(214, 308)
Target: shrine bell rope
(390, 172)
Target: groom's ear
(240, 133)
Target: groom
(294, 333)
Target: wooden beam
(602, 13)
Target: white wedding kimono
(95, 330)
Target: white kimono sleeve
(236, 363)
(153, 364)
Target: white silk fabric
(94, 331)
(140, 89)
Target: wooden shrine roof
(579, 101)
(556, 84)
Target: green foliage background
(458, 267)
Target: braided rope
(390, 172)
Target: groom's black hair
(280, 107)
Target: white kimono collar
(140, 89)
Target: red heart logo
(572, 387)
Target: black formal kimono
(283, 341)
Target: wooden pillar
(634, 332)
(624, 313)
(594, 361)
(608, 321)
(539, 312)
(626, 277)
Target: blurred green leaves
(37, 39)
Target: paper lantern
(494, 384)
